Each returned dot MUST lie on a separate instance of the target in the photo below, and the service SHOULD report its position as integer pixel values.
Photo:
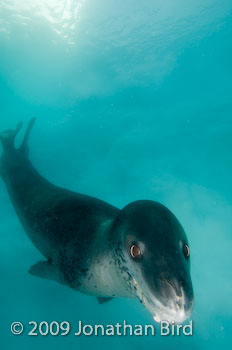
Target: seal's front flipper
(103, 300)
(47, 270)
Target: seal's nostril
(176, 286)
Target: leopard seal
(95, 248)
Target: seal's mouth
(164, 313)
(173, 311)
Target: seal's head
(155, 255)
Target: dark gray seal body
(93, 247)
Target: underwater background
(133, 100)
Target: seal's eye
(186, 251)
(135, 251)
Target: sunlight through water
(62, 16)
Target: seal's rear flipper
(47, 270)
(7, 137)
(24, 147)
(103, 300)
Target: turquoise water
(133, 101)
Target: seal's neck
(109, 274)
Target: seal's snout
(175, 300)
(177, 292)
(168, 289)
(188, 302)
(175, 287)
(183, 304)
